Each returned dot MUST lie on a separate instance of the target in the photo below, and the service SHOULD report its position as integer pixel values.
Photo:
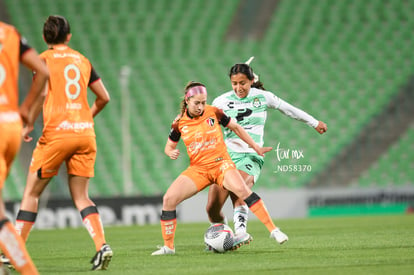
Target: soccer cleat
(279, 236)
(102, 258)
(241, 239)
(6, 262)
(163, 250)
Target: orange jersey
(202, 136)
(12, 47)
(66, 110)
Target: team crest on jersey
(256, 103)
(210, 121)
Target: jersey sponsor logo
(210, 121)
(240, 105)
(202, 144)
(243, 113)
(184, 129)
(66, 125)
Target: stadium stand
(341, 61)
(395, 168)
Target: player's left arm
(296, 113)
(239, 131)
(98, 88)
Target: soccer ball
(219, 237)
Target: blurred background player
(13, 50)
(210, 163)
(247, 104)
(68, 135)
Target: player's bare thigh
(182, 188)
(234, 182)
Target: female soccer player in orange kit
(68, 135)
(15, 50)
(198, 126)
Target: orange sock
(24, 223)
(93, 224)
(168, 226)
(258, 207)
(12, 245)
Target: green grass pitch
(337, 245)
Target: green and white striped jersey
(251, 113)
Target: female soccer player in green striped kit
(248, 103)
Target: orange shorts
(10, 141)
(79, 153)
(205, 176)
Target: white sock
(241, 215)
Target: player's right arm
(171, 149)
(173, 138)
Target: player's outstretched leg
(257, 206)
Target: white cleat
(163, 250)
(241, 239)
(279, 236)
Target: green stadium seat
(340, 60)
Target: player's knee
(169, 202)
